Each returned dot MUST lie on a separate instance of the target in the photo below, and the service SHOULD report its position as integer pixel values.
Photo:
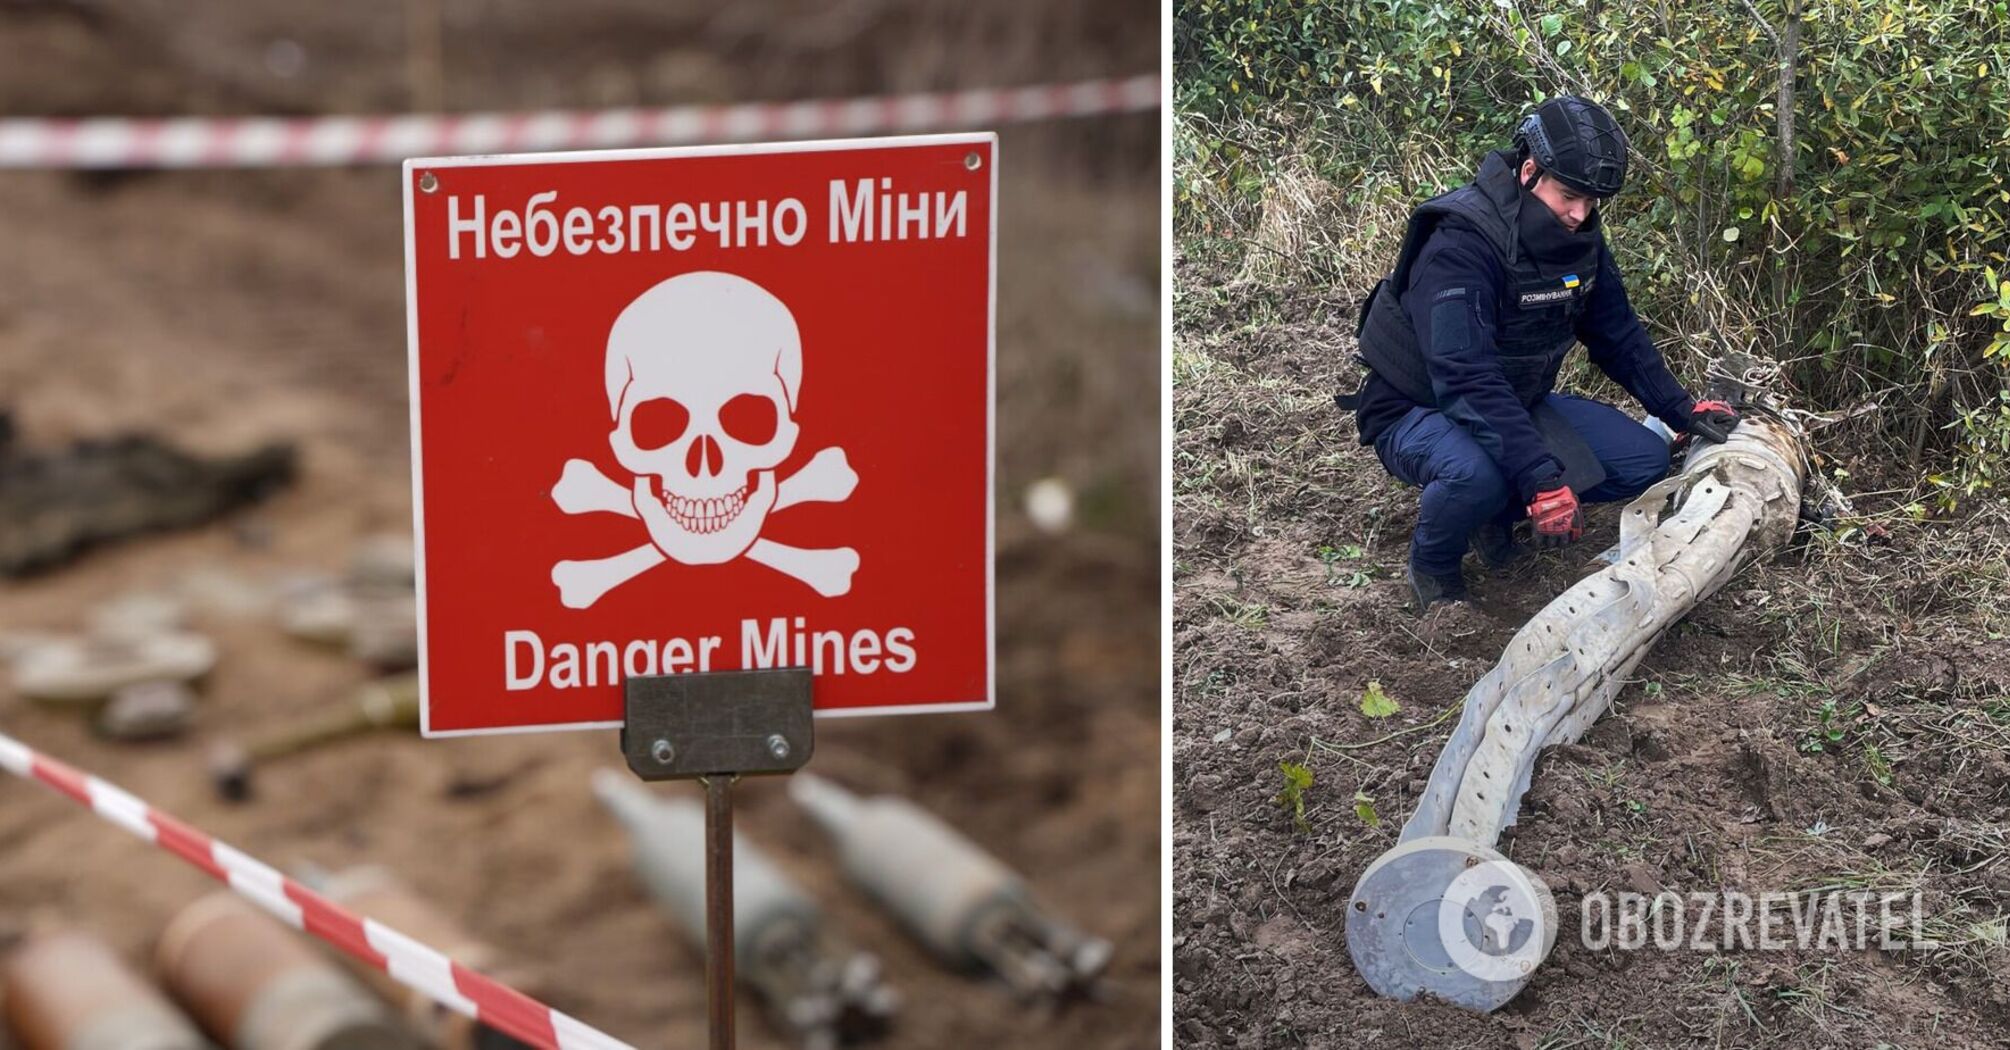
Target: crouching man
(1495, 282)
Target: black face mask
(1548, 239)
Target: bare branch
(1762, 23)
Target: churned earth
(224, 309)
(1838, 718)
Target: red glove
(1556, 517)
(1712, 421)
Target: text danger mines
(530, 662)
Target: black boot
(1430, 590)
(1494, 543)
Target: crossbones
(703, 372)
(583, 489)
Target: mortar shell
(938, 883)
(818, 991)
(66, 990)
(667, 836)
(256, 985)
(375, 892)
(964, 904)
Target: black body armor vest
(1538, 320)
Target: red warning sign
(702, 409)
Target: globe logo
(1496, 921)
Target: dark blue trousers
(1463, 488)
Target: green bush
(1870, 262)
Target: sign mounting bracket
(715, 727)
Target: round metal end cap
(1450, 918)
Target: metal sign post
(715, 728)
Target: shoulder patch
(1451, 327)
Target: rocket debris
(964, 904)
(819, 992)
(1679, 542)
(66, 990)
(390, 703)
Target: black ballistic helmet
(1577, 142)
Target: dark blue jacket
(1471, 380)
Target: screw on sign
(702, 410)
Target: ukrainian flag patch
(1570, 280)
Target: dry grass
(1298, 225)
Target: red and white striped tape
(272, 142)
(406, 960)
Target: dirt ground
(1839, 718)
(224, 309)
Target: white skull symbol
(702, 376)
